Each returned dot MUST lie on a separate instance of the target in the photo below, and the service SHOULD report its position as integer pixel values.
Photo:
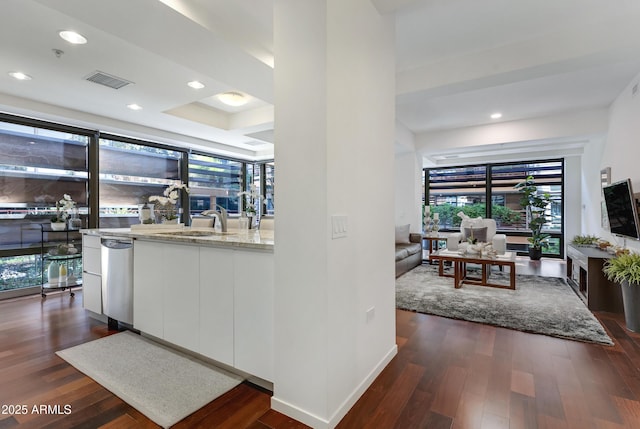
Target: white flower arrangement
(166, 203)
(251, 199)
(63, 207)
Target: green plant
(449, 218)
(535, 203)
(624, 267)
(585, 240)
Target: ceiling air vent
(107, 80)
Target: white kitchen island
(208, 294)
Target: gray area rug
(541, 305)
(162, 384)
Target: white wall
(408, 190)
(591, 214)
(572, 197)
(408, 180)
(621, 152)
(335, 101)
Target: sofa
(408, 249)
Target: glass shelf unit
(50, 242)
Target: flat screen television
(622, 209)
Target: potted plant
(59, 221)
(535, 203)
(585, 240)
(166, 204)
(252, 199)
(624, 269)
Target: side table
(433, 239)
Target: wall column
(334, 321)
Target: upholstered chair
(484, 230)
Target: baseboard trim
(319, 423)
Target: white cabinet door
(148, 287)
(92, 292)
(181, 282)
(216, 304)
(253, 318)
(91, 254)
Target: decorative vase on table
(146, 213)
(58, 226)
(535, 253)
(53, 272)
(251, 218)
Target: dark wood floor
(447, 374)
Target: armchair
(482, 229)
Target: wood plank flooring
(447, 374)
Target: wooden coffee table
(460, 261)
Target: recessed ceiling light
(233, 98)
(19, 76)
(134, 106)
(496, 115)
(73, 37)
(195, 84)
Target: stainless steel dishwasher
(117, 279)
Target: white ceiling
(457, 62)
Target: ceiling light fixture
(134, 106)
(496, 115)
(19, 76)
(73, 37)
(233, 98)
(195, 84)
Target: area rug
(541, 305)
(164, 385)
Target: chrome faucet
(221, 214)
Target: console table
(585, 275)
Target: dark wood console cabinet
(584, 274)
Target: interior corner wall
(572, 197)
(408, 190)
(591, 194)
(621, 150)
(334, 321)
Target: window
(467, 189)
(511, 217)
(452, 190)
(38, 165)
(130, 172)
(214, 181)
(270, 187)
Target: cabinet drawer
(91, 241)
(92, 293)
(91, 260)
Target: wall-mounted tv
(622, 209)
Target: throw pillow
(479, 234)
(402, 234)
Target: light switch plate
(338, 226)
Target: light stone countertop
(235, 239)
